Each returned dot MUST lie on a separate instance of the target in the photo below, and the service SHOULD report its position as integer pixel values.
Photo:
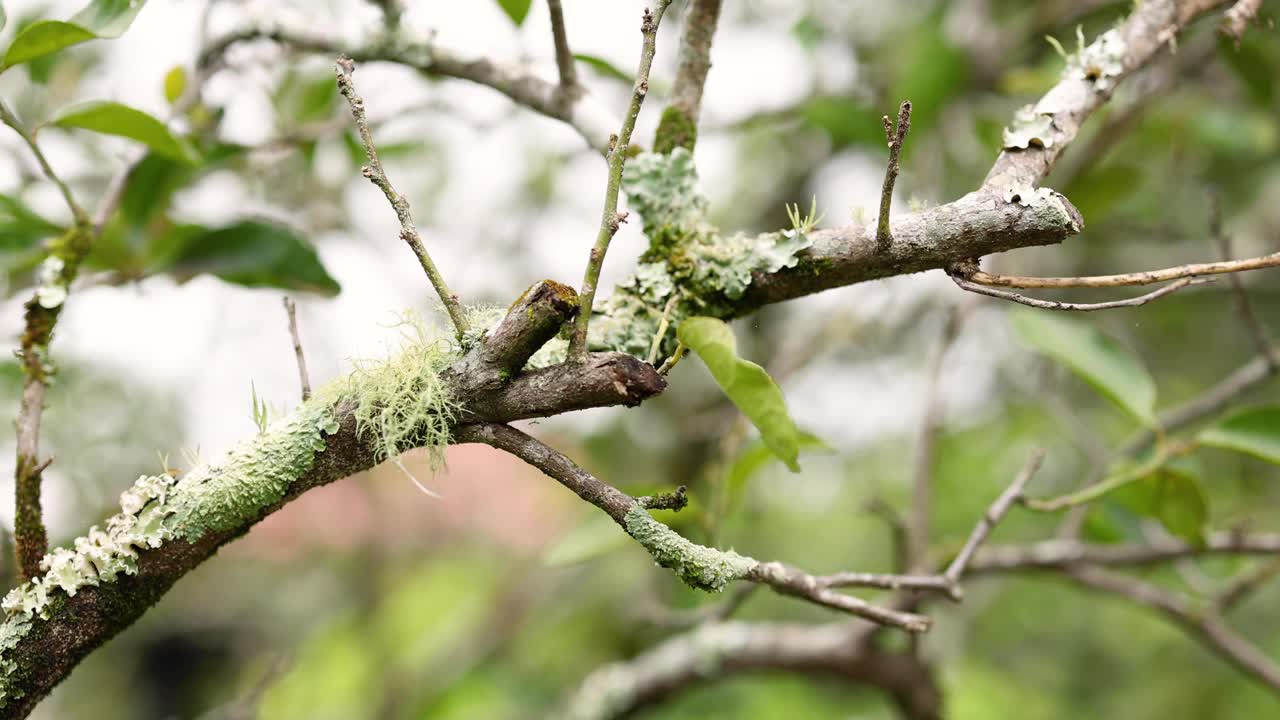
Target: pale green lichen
(398, 402)
(1101, 62)
(402, 402)
(1030, 129)
(686, 252)
(697, 565)
(51, 284)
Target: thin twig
(919, 532)
(993, 516)
(1205, 625)
(617, 157)
(564, 56)
(695, 57)
(1061, 553)
(292, 311)
(789, 581)
(671, 361)
(1252, 323)
(662, 329)
(343, 70)
(974, 287)
(895, 135)
(1246, 583)
(8, 118)
(1148, 277)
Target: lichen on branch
(699, 566)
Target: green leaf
(99, 19)
(175, 83)
(20, 228)
(746, 384)
(517, 10)
(303, 98)
(1173, 494)
(754, 459)
(1255, 432)
(1099, 360)
(253, 253)
(604, 67)
(113, 118)
(595, 536)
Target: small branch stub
(895, 136)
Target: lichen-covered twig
(344, 69)
(617, 158)
(896, 136)
(964, 284)
(1206, 625)
(679, 124)
(585, 114)
(41, 313)
(564, 56)
(291, 311)
(1237, 18)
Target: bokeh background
(369, 599)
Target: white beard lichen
(399, 403)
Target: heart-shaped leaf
(746, 384)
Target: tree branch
(679, 124)
(291, 310)
(585, 114)
(715, 652)
(1060, 553)
(1205, 625)
(564, 56)
(896, 135)
(974, 287)
(1148, 277)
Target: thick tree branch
(585, 114)
(679, 124)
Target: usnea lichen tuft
(698, 566)
(402, 402)
(399, 402)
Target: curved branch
(583, 112)
(717, 651)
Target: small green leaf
(113, 118)
(746, 384)
(597, 535)
(1255, 432)
(517, 10)
(1101, 361)
(754, 459)
(20, 228)
(1178, 502)
(99, 19)
(604, 67)
(251, 252)
(175, 83)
